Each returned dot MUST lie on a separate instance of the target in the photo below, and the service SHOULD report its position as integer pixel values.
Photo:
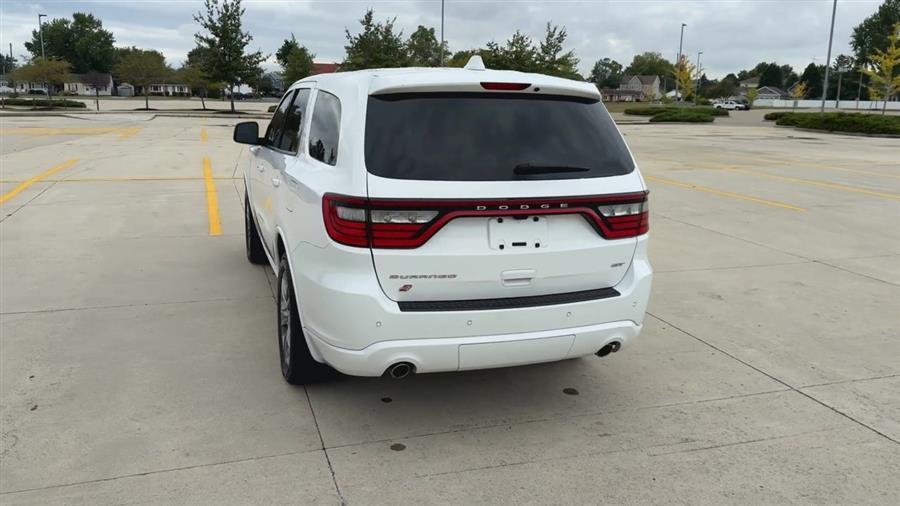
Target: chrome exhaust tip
(609, 348)
(400, 370)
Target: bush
(43, 102)
(655, 110)
(682, 116)
(842, 122)
(773, 116)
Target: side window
(273, 133)
(325, 131)
(293, 122)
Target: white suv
(425, 220)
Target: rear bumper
(351, 325)
(479, 352)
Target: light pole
(828, 58)
(678, 61)
(43, 56)
(697, 89)
(41, 31)
(442, 33)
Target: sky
(733, 34)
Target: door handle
(276, 182)
(260, 167)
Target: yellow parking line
(814, 182)
(203, 135)
(28, 182)
(739, 196)
(212, 199)
(122, 179)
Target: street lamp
(442, 33)
(678, 61)
(828, 59)
(41, 31)
(697, 89)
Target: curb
(848, 134)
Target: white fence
(863, 105)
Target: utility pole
(678, 61)
(699, 73)
(442, 33)
(43, 56)
(828, 58)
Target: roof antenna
(475, 63)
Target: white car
(731, 105)
(425, 220)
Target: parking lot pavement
(138, 359)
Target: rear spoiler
(575, 89)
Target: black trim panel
(508, 302)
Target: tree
(518, 53)
(798, 93)
(224, 44)
(82, 42)
(812, 76)
(460, 58)
(142, 68)
(874, 31)
(752, 94)
(685, 74)
(650, 64)
(376, 46)
(883, 66)
(9, 63)
(52, 71)
(192, 75)
(299, 64)
(551, 59)
(771, 75)
(287, 47)
(423, 48)
(606, 73)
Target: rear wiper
(524, 169)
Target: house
(170, 90)
(91, 84)
(324, 68)
(772, 93)
(125, 90)
(650, 86)
(7, 85)
(746, 84)
(620, 95)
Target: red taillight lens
(505, 86)
(392, 223)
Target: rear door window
(491, 137)
(293, 122)
(325, 130)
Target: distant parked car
(732, 105)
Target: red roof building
(324, 68)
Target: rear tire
(255, 252)
(298, 367)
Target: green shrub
(43, 102)
(773, 116)
(682, 116)
(654, 110)
(842, 122)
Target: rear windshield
(491, 137)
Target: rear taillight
(396, 223)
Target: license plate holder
(507, 233)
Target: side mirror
(247, 132)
